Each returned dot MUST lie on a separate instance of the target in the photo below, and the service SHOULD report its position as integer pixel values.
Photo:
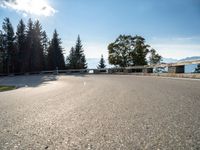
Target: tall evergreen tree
(101, 63)
(79, 55)
(45, 45)
(38, 56)
(71, 60)
(29, 47)
(10, 50)
(1, 52)
(21, 45)
(55, 53)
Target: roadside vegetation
(6, 88)
(30, 50)
(129, 50)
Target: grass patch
(6, 88)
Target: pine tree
(29, 47)
(10, 50)
(79, 55)
(101, 63)
(21, 45)
(45, 45)
(1, 52)
(38, 56)
(55, 53)
(71, 60)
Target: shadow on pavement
(27, 81)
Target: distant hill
(190, 58)
(171, 60)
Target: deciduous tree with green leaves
(119, 51)
(154, 58)
(128, 51)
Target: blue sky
(172, 27)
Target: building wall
(176, 69)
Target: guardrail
(175, 68)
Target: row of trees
(30, 50)
(131, 51)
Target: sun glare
(31, 7)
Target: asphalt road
(100, 112)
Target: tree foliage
(128, 51)
(101, 64)
(2, 54)
(139, 52)
(29, 50)
(71, 60)
(76, 58)
(9, 46)
(21, 45)
(45, 46)
(37, 55)
(120, 50)
(55, 53)
(154, 58)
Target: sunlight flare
(30, 7)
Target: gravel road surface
(100, 112)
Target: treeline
(130, 50)
(30, 50)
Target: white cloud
(29, 7)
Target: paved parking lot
(100, 112)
